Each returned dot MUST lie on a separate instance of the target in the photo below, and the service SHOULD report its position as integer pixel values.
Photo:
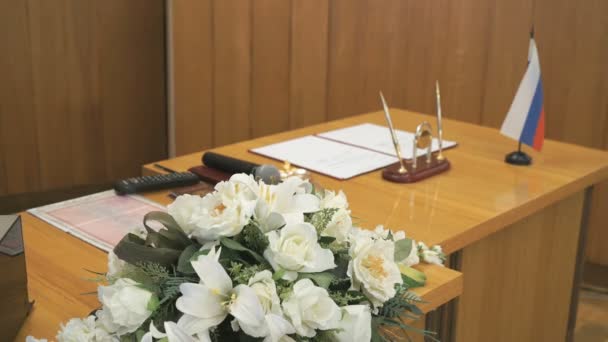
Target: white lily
(174, 333)
(284, 203)
(207, 304)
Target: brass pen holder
(419, 167)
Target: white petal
(274, 221)
(176, 334)
(194, 325)
(212, 274)
(200, 301)
(278, 327)
(248, 311)
(155, 332)
(323, 261)
(146, 338)
(305, 203)
(293, 218)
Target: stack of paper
(347, 152)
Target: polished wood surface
(342, 52)
(61, 286)
(479, 196)
(518, 281)
(82, 93)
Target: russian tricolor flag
(526, 118)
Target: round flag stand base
(518, 158)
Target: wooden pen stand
(423, 169)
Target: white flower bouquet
(256, 262)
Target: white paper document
(378, 138)
(101, 219)
(327, 157)
(347, 152)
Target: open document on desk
(347, 152)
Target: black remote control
(157, 182)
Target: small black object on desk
(518, 157)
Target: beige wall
(245, 68)
(82, 95)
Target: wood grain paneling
(506, 58)
(308, 67)
(232, 70)
(342, 52)
(134, 90)
(18, 138)
(82, 97)
(270, 66)
(192, 70)
(502, 264)
(346, 22)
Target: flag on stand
(525, 120)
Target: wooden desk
(513, 231)
(57, 280)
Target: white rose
(309, 308)
(355, 325)
(284, 203)
(240, 187)
(219, 218)
(434, 255)
(125, 306)
(266, 290)
(275, 326)
(77, 330)
(295, 248)
(116, 266)
(373, 270)
(340, 225)
(413, 258)
(333, 200)
(185, 210)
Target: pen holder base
(422, 171)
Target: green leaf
(231, 244)
(196, 254)
(253, 238)
(326, 240)
(322, 279)
(183, 264)
(402, 249)
(278, 274)
(139, 334)
(153, 303)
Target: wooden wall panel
(83, 94)
(87, 148)
(192, 70)
(345, 26)
(308, 67)
(464, 58)
(232, 70)
(506, 57)
(132, 80)
(413, 75)
(18, 139)
(270, 66)
(50, 97)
